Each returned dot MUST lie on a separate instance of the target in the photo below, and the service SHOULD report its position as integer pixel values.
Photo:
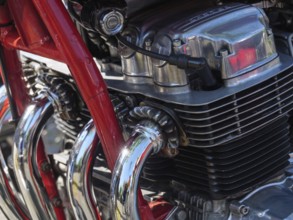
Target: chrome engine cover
(271, 201)
(235, 39)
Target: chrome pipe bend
(78, 183)
(9, 196)
(26, 139)
(8, 192)
(146, 139)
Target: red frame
(43, 27)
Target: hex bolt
(45, 166)
(57, 202)
(244, 210)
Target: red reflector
(243, 59)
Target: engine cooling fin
(230, 168)
(236, 166)
(235, 143)
(236, 115)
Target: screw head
(244, 210)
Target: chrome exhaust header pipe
(8, 193)
(146, 139)
(26, 139)
(149, 137)
(80, 164)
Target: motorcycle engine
(235, 137)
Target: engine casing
(235, 39)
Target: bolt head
(244, 210)
(112, 22)
(181, 215)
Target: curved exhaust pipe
(10, 201)
(80, 164)
(146, 139)
(25, 150)
(154, 133)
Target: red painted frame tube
(89, 80)
(11, 39)
(71, 50)
(14, 78)
(5, 17)
(86, 74)
(26, 18)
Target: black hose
(180, 60)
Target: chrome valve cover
(235, 39)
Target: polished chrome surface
(164, 74)
(135, 66)
(199, 98)
(112, 22)
(271, 201)
(198, 110)
(78, 182)
(235, 39)
(13, 196)
(235, 28)
(24, 155)
(8, 193)
(145, 140)
(163, 120)
(256, 73)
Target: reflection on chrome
(8, 193)
(79, 174)
(146, 139)
(26, 139)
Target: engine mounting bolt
(45, 166)
(243, 209)
(181, 215)
(57, 202)
(177, 43)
